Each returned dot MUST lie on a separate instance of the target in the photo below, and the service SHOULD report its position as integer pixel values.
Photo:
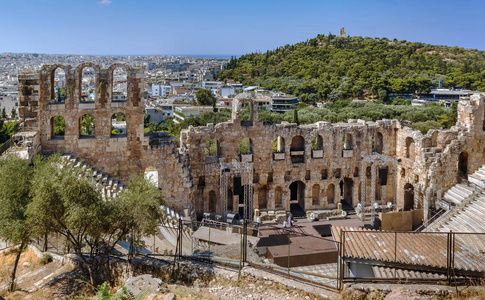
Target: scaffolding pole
(223, 187)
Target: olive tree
(67, 202)
(15, 186)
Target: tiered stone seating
(468, 213)
(458, 194)
(108, 187)
(478, 177)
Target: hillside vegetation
(422, 118)
(332, 68)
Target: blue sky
(120, 27)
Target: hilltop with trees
(329, 67)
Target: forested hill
(330, 68)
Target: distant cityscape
(171, 83)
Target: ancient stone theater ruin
(244, 165)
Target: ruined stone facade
(314, 165)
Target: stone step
(452, 197)
(460, 194)
(473, 178)
(478, 209)
(465, 188)
(480, 175)
(475, 218)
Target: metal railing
(434, 257)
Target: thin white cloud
(105, 2)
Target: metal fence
(442, 257)
(292, 252)
(373, 256)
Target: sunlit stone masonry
(244, 165)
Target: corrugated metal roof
(384, 272)
(425, 249)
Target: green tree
(15, 186)
(205, 97)
(87, 125)
(13, 113)
(4, 113)
(295, 117)
(66, 202)
(131, 215)
(59, 126)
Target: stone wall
(424, 166)
(118, 155)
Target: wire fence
(321, 260)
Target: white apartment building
(161, 90)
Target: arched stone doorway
(278, 198)
(297, 198)
(408, 197)
(331, 194)
(463, 165)
(346, 193)
(263, 198)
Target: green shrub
(46, 258)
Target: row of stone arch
(87, 126)
(263, 197)
(213, 202)
(68, 85)
(212, 147)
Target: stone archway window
(279, 148)
(87, 126)
(246, 146)
(279, 145)
(378, 143)
(317, 146)
(348, 142)
(316, 195)
(212, 151)
(58, 127)
(58, 86)
(410, 148)
(244, 100)
(119, 86)
(118, 125)
(88, 85)
(297, 149)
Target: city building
(283, 103)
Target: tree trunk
(45, 242)
(12, 276)
(87, 266)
